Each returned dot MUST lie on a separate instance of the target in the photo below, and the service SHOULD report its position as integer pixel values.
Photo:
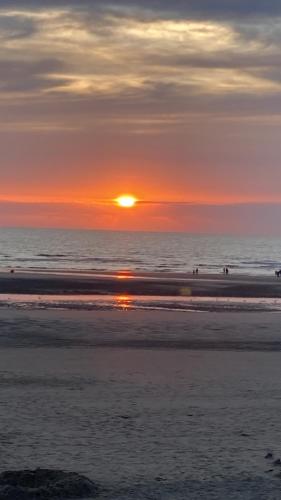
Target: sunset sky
(177, 102)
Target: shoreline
(139, 284)
(138, 303)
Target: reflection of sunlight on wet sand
(124, 301)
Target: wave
(264, 262)
(75, 260)
(219, 266)
(55, 255)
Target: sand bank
(160, 284)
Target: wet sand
(163, 405)
(129, 329)
(160, 284)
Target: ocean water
(137, 251)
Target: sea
(61, 249)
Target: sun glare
(126, 201)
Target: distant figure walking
(226, 270)
(278, 273)
(196, 270)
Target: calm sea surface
(102, 250)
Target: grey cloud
(232, 58)
(156, 94)
(194, 8)
(16, 28)
(153, 101)
(217, 60)
(20, 75)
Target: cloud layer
(180, 100)
(164, 60)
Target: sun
(126, 201)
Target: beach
(150, 404)
(153, 385)
(140, 250)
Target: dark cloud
(16, 28)
(218, 60)
(156, 106)
(195, 8)
(19, 75)
(215, 8)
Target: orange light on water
(123, 275)
(124, 301)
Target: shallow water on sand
(130, 302)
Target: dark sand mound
(45, 484)
(162, 284)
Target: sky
(177, 102)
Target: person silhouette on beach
(226, 270)
(196, 270)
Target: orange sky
(173, 103)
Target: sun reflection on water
(124, 302)
(122, 275)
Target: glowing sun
(126, 201)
